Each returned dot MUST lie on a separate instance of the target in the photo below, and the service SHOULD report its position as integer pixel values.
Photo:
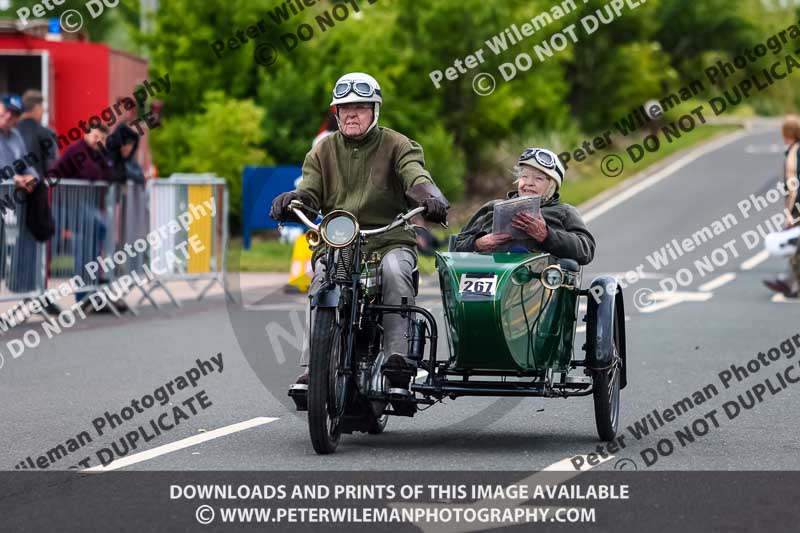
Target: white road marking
(180, 444)
(565, 465)
(756, 260)
(717, 282)
(668, 299)
(660, 175)
(764, 149)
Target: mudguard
(605, 300)
(326, 296)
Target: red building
(78, 78)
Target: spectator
(12, 146)
(122, 147)
(23, 277)
(86, 160)
(39, 140)
(41, 145)
(787, 281)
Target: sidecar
(511, 322)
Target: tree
(223, 139)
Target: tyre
(327, 390)
(605, 390)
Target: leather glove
(431, 198)
(280, 205)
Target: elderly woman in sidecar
(558, 230)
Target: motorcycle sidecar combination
(510, 325)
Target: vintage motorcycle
(511, 321)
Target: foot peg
(299, 393)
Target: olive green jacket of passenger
(567, 235)
(367, 177)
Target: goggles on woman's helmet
(545, 158)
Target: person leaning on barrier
(12, 145)
(559, 229)
(42, 146)
(86, 159)
(788, 281)
(39, 140)
(23, 276)
(122, 146)
(375, 173)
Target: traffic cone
(301, 270)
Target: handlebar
(401, 219)
(297, 205)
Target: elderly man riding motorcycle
(374, 173)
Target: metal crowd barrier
(193, 194)
(130, 223)
(96, 219)
(22, 258)
(85, 229)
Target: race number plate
(478, 283)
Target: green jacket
(567, 235)
(368, 178)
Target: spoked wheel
(606, 391)
(327, 388)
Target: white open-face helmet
(544, 160)
(358, 87)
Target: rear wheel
(327, 388)
(605, 390)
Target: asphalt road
(677, 345)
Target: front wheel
(326, 386)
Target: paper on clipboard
(504, 213)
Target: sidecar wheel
(605, 390)
(326, 388)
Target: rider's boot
(299, 391)
(398, 371)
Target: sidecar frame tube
(488, 388)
